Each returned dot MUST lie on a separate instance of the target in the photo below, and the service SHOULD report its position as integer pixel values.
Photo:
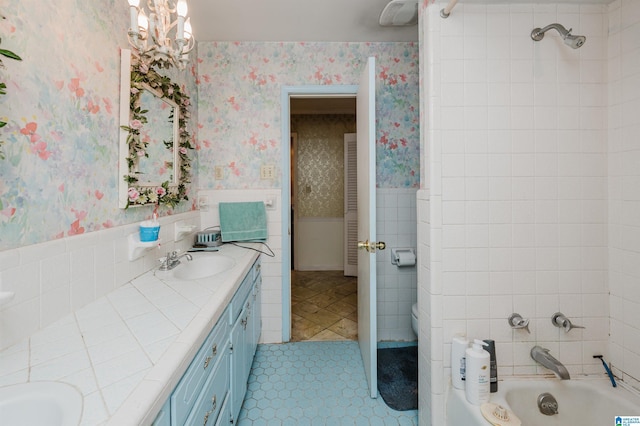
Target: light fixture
(159, 37)
(399, 13)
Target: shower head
(574, 42)
(570, 40)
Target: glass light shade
(188, 32)
(182, 8)
(143, 21)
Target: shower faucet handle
(559, 320)
(517, 322)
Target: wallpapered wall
(60, 175)
(320, 163)
(239, 105)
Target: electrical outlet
(203, 203)
(268, 172)
(219, 172)
(270, 202)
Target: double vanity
(168, 348)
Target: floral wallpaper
(60, 176)
(239, 88)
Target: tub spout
(543, 357)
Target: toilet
(414, 319)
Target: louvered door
(350, 206)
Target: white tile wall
(55, 278)
(515, 145)
(396, 225)
(397, 291)
(624, 183)
(271, 266)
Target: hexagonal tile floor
(314, 383)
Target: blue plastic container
(148, 234)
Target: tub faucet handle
(559, 320)
(517, 322)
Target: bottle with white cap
(459, 344)
(477, 375)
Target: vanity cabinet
(212, 389)
(203, 387)
(257, 316)
(245, 333)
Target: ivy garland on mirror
(3, 86)
(170, 195)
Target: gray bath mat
(398, 377)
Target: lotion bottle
(459, 345)
(477, 375)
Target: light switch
(268, 172)
(219, 172)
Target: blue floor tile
(314, 383)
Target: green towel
(243, 221)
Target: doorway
(366, 206)
(323, 299)
(288, 92)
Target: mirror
(154, 141)
(158, 133)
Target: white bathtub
(582, 401)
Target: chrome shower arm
(538, 33)
(570, 40)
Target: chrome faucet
(517, 322)
(543, 357)
(172, 260)
(559, 320)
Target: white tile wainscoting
(55, 278)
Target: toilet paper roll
(406, 258)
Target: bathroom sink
(203, 266)
(40, 403)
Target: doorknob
(371, 246)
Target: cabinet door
(224, 418)
(239, 371)
(257, 315)
(209, 403)
(189, 388)
(248, 336)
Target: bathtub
(582, 401)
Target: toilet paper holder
(403, 257)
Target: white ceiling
(293, 20)
(306, 20)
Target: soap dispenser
(477, 377)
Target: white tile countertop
(126, 351)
